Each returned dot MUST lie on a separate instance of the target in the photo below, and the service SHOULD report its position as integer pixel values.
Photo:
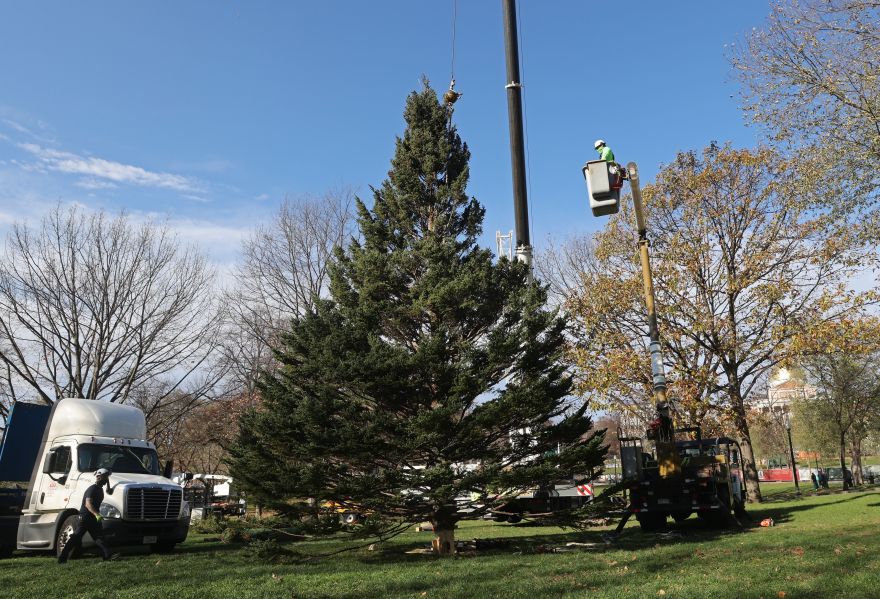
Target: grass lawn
(821, 546)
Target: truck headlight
(185, 510)
(108, 511)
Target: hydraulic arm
(661, 430)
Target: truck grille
(153, 504)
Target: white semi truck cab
(142, 506)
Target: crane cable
(451, 96)
(454, 19)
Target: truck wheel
(64, 534)
(514, 519)
(6, 551)
(349, 518)
(163, 547)
(651, 522)
(717, 518)
(499, 518)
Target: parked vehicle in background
(871, 474)
(539, 503)
(62, 447)
(210, 495)
(836, 473)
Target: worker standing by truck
(90, 518)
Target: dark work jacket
(96, 494)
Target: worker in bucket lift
(605, 152)
(607, 155)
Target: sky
(207, 114)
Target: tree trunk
(855, 456)
(444, 525)
(444, 542)
(750, 470)
(843, 460)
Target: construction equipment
(709, 482)
(662, 475)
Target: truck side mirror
(58, 461)
(169, 468)
(47, 464)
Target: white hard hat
(599, 142)
(103, 472)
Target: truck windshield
(136, 460)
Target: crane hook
(451, 96)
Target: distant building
(787, 384)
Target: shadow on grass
(135, 551)
(691, 530)
(791, 494)
(782, 514)
(207, 547)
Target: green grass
(821, 546)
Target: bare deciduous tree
(198, 441)
(812, 76)
(96, 306)
(283, 271)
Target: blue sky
(208, 113)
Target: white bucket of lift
(604, 197)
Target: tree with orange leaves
(753, 265)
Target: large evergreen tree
(432, 378)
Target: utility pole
(515, 122)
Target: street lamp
(786, 420)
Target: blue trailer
(19, 450)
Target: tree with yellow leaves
(750, 269)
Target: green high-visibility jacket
(606, 154)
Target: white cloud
(98, 168)
(92, 183)
(18, 127)
(42, 132)
(209, 234)
(196, 198)
(262, 197)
